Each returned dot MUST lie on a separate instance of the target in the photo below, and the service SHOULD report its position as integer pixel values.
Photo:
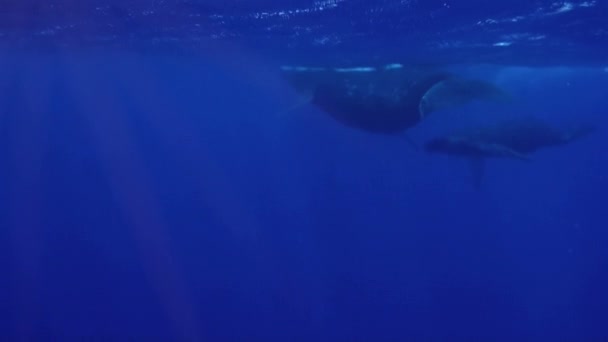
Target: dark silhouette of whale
(516, 139)
(387, 99)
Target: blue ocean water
(156, 185)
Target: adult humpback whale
(387, 99)
(516, 139)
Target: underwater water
(162, 182)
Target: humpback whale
(387, 99)
(515, 139)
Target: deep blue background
(169, 196)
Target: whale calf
(515, 139)
(386, 99)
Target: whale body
(387, 99)
(514, 139)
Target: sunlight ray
(133, 191)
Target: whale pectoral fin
(577, 133)
(514, 154)
(482, 90)
(304, 100)
(497, 150)
(455, 91)
(477, 166)
(409, 140)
